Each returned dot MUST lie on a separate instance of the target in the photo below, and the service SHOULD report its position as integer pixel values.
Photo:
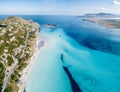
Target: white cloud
(115, 2)
(100, 9)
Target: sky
(59, 7)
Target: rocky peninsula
(18, 42)
(108, 23)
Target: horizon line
(55, 13)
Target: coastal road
(12, 69)
(26, 40)
(8, 76)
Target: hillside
(17, 44)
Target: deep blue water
(88, 34)
(80, 56)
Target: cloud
(116, 3)
(100, 9)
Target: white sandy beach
(26, 72)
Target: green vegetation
(17, 38)
(12, 87)
(22, 66)
(10, 60)
(2, 74)
(32, 35)
(8, 89)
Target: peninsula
(18, 41)
(108, 23)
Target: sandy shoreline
(26, 72)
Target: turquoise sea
(79, 56)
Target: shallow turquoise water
(89, 51)
(93, 71)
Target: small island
(50, 25)
(108, 23)
(18, 41)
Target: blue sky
(64, 7)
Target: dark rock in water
(61, 57)
(24, 90)
(50, 25)
(74, 85)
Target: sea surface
(79, 56)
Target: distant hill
(104, 15)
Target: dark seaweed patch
(74, 85)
